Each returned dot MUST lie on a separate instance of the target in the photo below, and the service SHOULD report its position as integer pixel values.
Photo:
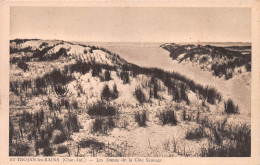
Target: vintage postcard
(130, 83)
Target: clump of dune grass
(86, 143)
(229, 141)
(102, 125)
(168, 117)
(230, 107)
(21, 149)
(47, 151)
(60, 138)
(97, 125)
(139, 95)
(62, 149)
(196, 134)
(141, 118)
(100, 109)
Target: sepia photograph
(130, 82)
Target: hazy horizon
(132, 24)
(132, 41)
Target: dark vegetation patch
(75, 104)
(100, 109)
(61, 53)
(62, 149)
(139, 95)
(45, 129)
(20, 41)
(42, 143)
(73, 123)
(98, 125)
(231, 141)
(225, 140)
(168, 117)
(21, 149)
(44, 44)
(60, 138)
(230, 107)
(103, 125)
(196, 134)
(47, 151)
(107, 94)
(107, 75)
(124, 76)
(91, 142)
(232, 58)
(141, 118)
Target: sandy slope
(155, 139)
(154, 56)
(235, 88)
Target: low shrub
(230, 107)
(125, 77)
(21, 149)
(47, 151)
(154, 87)
(231, 141)
(139, 95)
(107, 75)
(57, 77)
(75, 104)
(49, 131)
(96, 70)
(66, 104)
(60, 138)
(27, 117)
(42, 143)
(184, 115)
(57, 123)
(100, 109)
(230, 149)
(22, 65)
(62, 149)
(109, 95)
(81, 67)
(98, 125)
(168, 117)
(210, 94)
(228, 74)
(141, 118)
(115, 92)
(74, 123)
(50, 103)
(44, 44)
(106, 93)
(110, 123)
(91, 143)
(39, 54)
(176, 96)
(196, 133)
(248, 67)
(61, 53)
(102, 125)
(203, 59)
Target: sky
(132, 24)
